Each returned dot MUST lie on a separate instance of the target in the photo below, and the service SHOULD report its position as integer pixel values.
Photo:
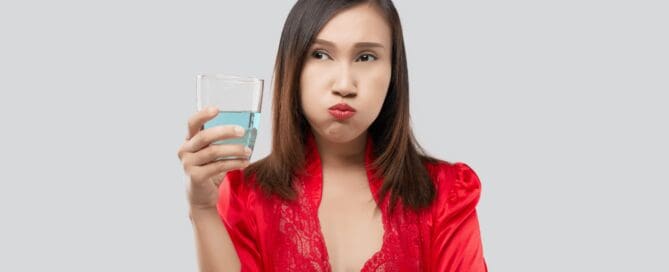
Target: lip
(342, 107)
(342, 111)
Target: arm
(214, 243)
(215, 251)
(227, 235)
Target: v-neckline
(315, 170)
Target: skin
(215, 251)
(339, 71)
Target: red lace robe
(270, 234)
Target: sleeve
(235, 209)
(457, 239)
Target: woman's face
(350, 62)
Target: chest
(350, 220)
(336, 228)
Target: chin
(337, 132)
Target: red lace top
(270, 234)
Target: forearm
(215, 250)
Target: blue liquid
(246, 119)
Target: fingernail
(239, 130)
(212, 110)
(247, 151)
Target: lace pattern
(303, 247)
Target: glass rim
(243, 79)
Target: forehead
(361, 23)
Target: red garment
(270, 234)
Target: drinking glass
(238, 100)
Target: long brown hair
(399, 158)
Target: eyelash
(318, 51)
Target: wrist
(200, 212)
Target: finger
(205, 172)
(182, 151)
(213, 152)
(197, 120)
(208, 136)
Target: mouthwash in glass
(247, 119)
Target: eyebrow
(357, 45)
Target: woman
(346, 187)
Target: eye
(367, 57)
(318, 54)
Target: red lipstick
(342, 111)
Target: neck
(342, 154)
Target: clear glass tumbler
(239, 101)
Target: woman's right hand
(198, 156)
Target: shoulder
(456, 184)
(235, 194)
(235, 184)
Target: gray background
(560, 107)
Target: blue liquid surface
(246, 119)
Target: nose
(344, 84)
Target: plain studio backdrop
(559, 106)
